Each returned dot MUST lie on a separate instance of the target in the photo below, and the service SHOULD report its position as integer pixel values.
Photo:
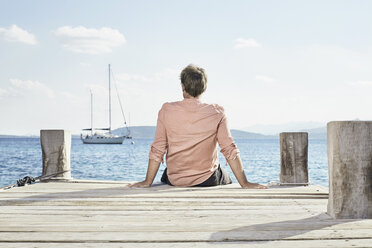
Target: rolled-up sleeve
(226, 141)
(159, 146)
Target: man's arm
(152, 169)
(157, 150)
(231, 153)
(237, 168)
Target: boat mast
(109, 70)
(91, 112)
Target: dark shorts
(219, 177)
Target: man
(188, 131)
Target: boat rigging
(108, 137)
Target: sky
(268, 62)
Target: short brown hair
(194, 80)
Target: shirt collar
(191, 100)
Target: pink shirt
(188, 131)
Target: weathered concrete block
(56, 149)
(349, 145)
(293, 158)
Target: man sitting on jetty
(188, 131)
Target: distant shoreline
(5, 136)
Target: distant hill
(8, 136)
(17, 136)
(138, 132)
(275, 129)
(316, 133)
(148, 132)
(238, 134)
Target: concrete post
(293, 158)
(349, 145)
(56, 149)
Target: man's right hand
(142, 184)
(152, 169)
(237, 168)
(254, 186)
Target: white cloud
(35, 86)
(17, 34)
(69, 96)
(97, 89)
(89, 40)
(361, 83)
(243, 43)
(265, 79)
(131, 77)
(84, 64)
(3, 92)
(166, 74)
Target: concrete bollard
(349, 145)
(293, 158)
(56, 149)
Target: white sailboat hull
(102, 139)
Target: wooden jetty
(108, 214)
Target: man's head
(194, 80)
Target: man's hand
(237, 168)
(142, 184)
(254, 186)
(152, 169)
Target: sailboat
(103, 138)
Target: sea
(20, 157)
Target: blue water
(20, 157)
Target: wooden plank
(139, 211)
(155, 188)
(54, 186)
(191, 204)
(155, 217)
(148, 202)
(124, 194)
(125, 190)
(173, 226)
(156, 236)
(254, 244)
(25, 209)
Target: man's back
(191, 130)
